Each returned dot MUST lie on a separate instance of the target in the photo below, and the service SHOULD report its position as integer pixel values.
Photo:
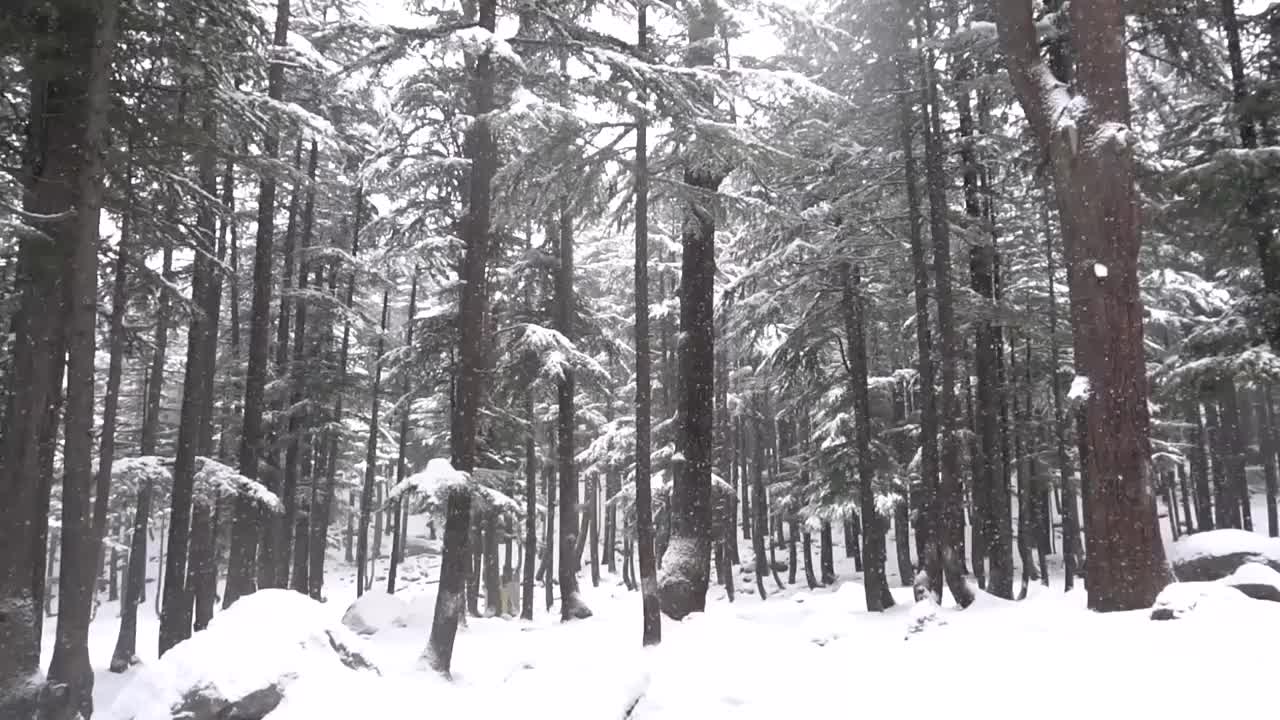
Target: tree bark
(652, 617)
(320, 531)
(926, 524)
(687, 558)
(875, 582)
(1267, 439)
(371, 457)
(481, 149)
(242, 559)
(1093, 170)
(406, 404)
(946, 554)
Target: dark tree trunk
(1218, 455)
(793, 540)
(810, 576)
(125, 653)
(1094, 183)
(272, 532)
(481, 149)
(111, 400)
(530, 506)
(1267, 441)
(760, 533)
(285, 526)
(1256, 205)
(175, 615)
(320, 526)
(550, 480)
(875, 582)
(243, 556)
(687, 558)
(1071, 549)
(926, 524)
(85, 73)
(945, 555)
(1235, 492)
(652, 617)
(370, 459)
(406, 403)
(571, 605)
(492, 573)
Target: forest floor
(800, 651)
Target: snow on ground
(799, 651)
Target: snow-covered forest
(638, 358)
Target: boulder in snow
(376, 611)
(1215, 554)
(242, 665)
(1258, 581)
(1181, 598)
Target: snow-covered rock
(376, 611)
(1180, 598)
(243, 664)
(1215, 554)
(1258, 581)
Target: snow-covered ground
(800, 651)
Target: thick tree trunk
(175, 615)
(1093, 169)
(1235, 492)
(652, 617)
(89, 40)
(946, 554)
(481, 149)
(572, 606)
(926, 524)
(687, 558)
(875, 582)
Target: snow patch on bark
(1080, 389)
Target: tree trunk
(175, 615)
(371, 457)
(110, 404)
(481, 149)
(759, 534)
(1070, 518)
(272, 531)
(875, 582)
(319, 543)
(922, 501)
(1093, 171)
(397, 544)
(242, 559)
(571, 605)
(1267, 440)
(946, 553)
(1235, 493)
(652, 617)
(1256, 206)
(88, 42)
(284, 526)
(687, 558)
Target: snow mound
(1181, 598)
(1258, 581)
(1215, 554)
(243, 663)
(375, 611)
